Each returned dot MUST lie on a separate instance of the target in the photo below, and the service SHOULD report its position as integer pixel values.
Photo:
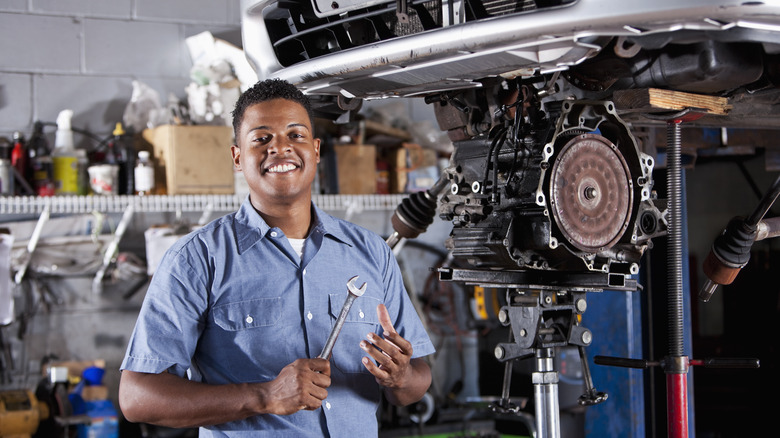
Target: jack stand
(676, 364)
(545, 381)
(539, 323)
(677, 373)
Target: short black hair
(265, 90)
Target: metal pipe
(545, 381)
(768, 228)
(677, 404)
(393, 239)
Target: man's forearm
(417, 384)
(168, 400)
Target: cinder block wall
(84, 54)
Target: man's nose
(277, 146)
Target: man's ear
(236, 152)
(317, 148)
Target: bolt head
(503, 317)
(587, 337)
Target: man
(238, 311)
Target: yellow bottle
(64, 157)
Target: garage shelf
(21, 205)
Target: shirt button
(249, 319)
(304, 272)
(309, 315)
(274, 234)
(327, 405)
(361, 314)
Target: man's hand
(405, 379)
(301, 385)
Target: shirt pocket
(243, 315)
(360, 321)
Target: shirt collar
(250, 227)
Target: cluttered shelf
(16, 205)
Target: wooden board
(658, 100)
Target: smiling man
(237, 312)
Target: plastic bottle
(125, 159)
(40, 162)
(6, 177)
(144, 174)
(19, 157)
(6, 169)
(64, 157)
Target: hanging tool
(354, 292)
(32, 244)
(108, 256)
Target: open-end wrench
(354, 292)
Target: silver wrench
(354, 292)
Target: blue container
(105, 423)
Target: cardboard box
(356, 167)
(193, 159)
(94, 392)
(414, 168)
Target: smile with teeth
(281, 168)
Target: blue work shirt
(232, 302)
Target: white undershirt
(297, 245)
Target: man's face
(277, 152)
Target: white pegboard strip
(358, 202)
(16, 205)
